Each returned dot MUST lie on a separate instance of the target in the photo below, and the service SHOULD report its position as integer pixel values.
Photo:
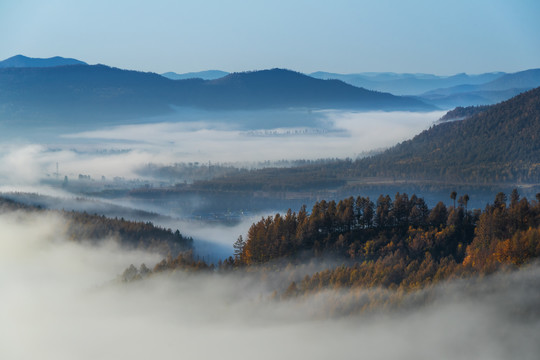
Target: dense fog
(60, 300)
(63, 299)
(120, 151)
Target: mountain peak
(19, 61)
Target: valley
(269, 180)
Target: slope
(499, 144)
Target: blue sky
(442, 37)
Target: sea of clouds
(120, 151)
(60, 300)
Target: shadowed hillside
(499, 144)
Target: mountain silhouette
(489, 93)
(99, 91)
(407, 84)
(24, 61)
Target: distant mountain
(407, 84)
(84, 92)
(284, 88)
(19, 61)
(499, 143)
(205, 75)
(101, 92)
(492, 92)
(445, 91)
(527, 79)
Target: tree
(382, 215)
(466, 201)
(144, 270)
(453, 195)
(238, 246)
(291, 291)
(130, 274)
(500, 200)
(438, 215)
(514, 198)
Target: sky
(343, 36)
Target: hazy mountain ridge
(90, 91)
(437, 91)
(85, 91)
(492, 92)
(287, 88)
(24, 61)
(407, 84)
(446, 91)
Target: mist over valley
(269, 180)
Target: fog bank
(121, 150)
(58, 302)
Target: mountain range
(500, 89)
(59, 88)
(407, 84)
(100, 92)
(445, 92)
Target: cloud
(342, 134)
(120, 151)
(58, 303)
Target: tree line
(395, 243)
(81, 226)
(398, 243)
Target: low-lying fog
(29, 155)
(119, 151)
(59, 302)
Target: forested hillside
(390, 243)
(80, 226)
(461, 113)
(499, 144)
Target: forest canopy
(395, 243)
